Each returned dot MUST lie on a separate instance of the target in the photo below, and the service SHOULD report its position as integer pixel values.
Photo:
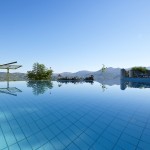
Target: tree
(90, 78)
(103, 68)
(40, 87)
(140, 69)
(39, 72)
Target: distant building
(134, 74)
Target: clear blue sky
(72, 35)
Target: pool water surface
(73, 116)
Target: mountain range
(109, 74)
(13, 76)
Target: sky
(73, 35)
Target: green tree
(39, 72)
(103, 68)
(140, 69)
(40, 87)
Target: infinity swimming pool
(81, 116)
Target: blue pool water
(81, 116)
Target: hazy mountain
(13, 76)
(109, 74)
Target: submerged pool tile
(129, 139)
(69, 133)
(138, 123)
(85, 121)
(145, 138)
(65, 140)
(87, 139)
(5, 126)
(48, 133)
(125, 145)
(138, 148)
(114, 131)
(19, 134)
(35, 116)
(27, 131)
(119, 148)
(106, 143)
(33, 142)
(72, 146)
(10, 138)
(60, 125)
(71, 119)
(80, 143)
(134, 132)
(2, 140)
(47, 146)
(41, 138)
(144, 145)
(21, 122)
(81, 126)
(96, 122)
(66, 122)
(98, 129)
(57, 144)
(110, 137)
(2, 116)
(54, 129)
(92, 134)
(24, 145)
(100, 124)
(146, 131)
(75, 129)
(33, 127)
(97, 146)
(14, 125)
(118, 126)
(14, 147)
(40, 123)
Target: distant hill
(109, 74)
(13, 76)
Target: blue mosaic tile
(144, 145)
(75, 119)
(14, 147)
(2, 141)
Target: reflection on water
(9, 90)
(103, 86)
(40, 87)
(75, 116)
(124, 84)
(140, 85)
(74, 82)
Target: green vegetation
(40, 87)
(103, 68)
(140, 69)
(69, 78)
(39, 72)
(73, 81)
(90, 78)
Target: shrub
(39, 72)
(140, 69)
